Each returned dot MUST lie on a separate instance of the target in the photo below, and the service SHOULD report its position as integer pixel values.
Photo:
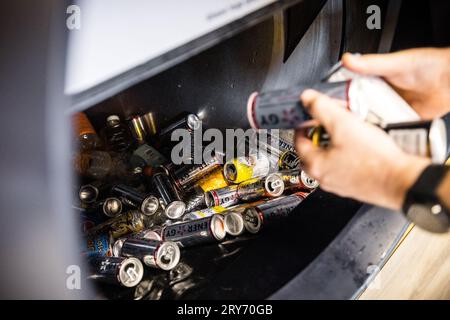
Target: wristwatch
(422, 205)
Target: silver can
(270, 186)
(296, 180)
(127, 272)
(154, 253)
(234, 223)
(224, 197)
(195, 232)
(370, 98)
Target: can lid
(252, 220)
(88, 193)
(307, 181)
(438, 141)
(152, 235)
(217, 227)
(112, 118)
(234, 223)
(168, 255)
(251, 111)
(274, 185)
(210, 199)
(175, 209)
(117, 247)
(193, 121)
(230, 171)
(131, 272)
(112, 207)
(150, 205)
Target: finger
(383, 65)
(321, 107)
(309, 124)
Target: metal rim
(117, 247)
(307, 181)
(131, 272)
(83, 191)
(252, 220)
(167, 255)
(234, 223)
(193, 121)
(209, 199)
(438, 141)
(175, 209)
(230, 171)
(274, 185)
(250, 108)
(150, 205)
(217, 227)
(152, 235)
(110, 204)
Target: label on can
(279, 207)
(189, 174)
(214, 180)
(97, 245)
(121, 225)
(246, 168)
(148, 155)
(282, 109)
(205, 212)
(412, 141)
(223, 197)
(195, 232)
(289, 160)
(251, 189)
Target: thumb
(383, 65)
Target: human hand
(361, 162)
(420, 76)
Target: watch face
(429, 216)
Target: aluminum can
(195, 232)
(127, 272)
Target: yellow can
(214, 180)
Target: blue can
(97, 245)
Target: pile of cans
(137, 208)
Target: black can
(154, 253)
(148, 204)
(161, 183)
(261, 214)
(185, 176)
(127, 272)
(189, 122)
(195, 232)
(92, 192)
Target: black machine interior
(215, 84)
